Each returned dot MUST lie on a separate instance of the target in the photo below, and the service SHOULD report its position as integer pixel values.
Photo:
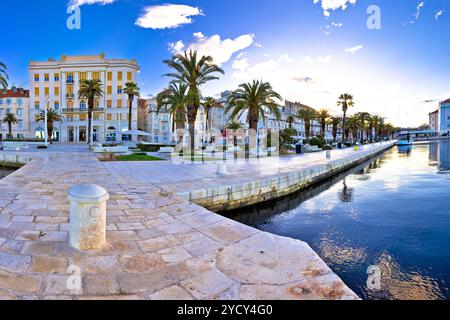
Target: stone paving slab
(160, 246)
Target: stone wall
(223, 198)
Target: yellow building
(55, 84)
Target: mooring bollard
(221, 169)
(88, 216)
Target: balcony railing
(70, 95)
(70, 81)
(81, 110)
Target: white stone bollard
(328, 154)
(88, 217)
(221, 169)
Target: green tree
(352, 128)
(52, 117)
(3, 76)
(287, 140)
(131, 90)
(308, 116)
(194, 73)
(90, 90)
(255, 98)
(323, 115)
(174, 99)
(10, 119)
(363, 119)
(345, 101)
(235, 126)
(290, 120)
(335, 122)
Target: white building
(55, 84)
(15, 101)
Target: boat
(405, 139)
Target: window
(19, 112)
(82, 104)
(109, 117)
(36, 78)
(46, 91)
(119, 76)
(46, 77)
(56, 91)
(83, 76)
(19, 102)
(36, 91)
(19, 124)
(1, 102)
(129, 76)
(96, 75)
(109, 76)
(8, 101)
(36, 105)
(119, 103)
(70, 78)
(82, 117)
(56, 77)
(56, 105)
(119, 89)
(109, 103)
(109, 90)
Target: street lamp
(45, 121)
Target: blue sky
(310, 50)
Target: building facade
(55, 85)
(444, 117)
(434, 121)
(15, 101)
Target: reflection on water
(4, 172)
(392, 212)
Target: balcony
(70, 96)
(70, 81)
(81, 110)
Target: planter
(118, 149)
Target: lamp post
(45, 121)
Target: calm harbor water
(5, 171)
(392, 212)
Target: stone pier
(160, 245)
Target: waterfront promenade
(160, 245)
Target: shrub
(317, 141)
(151, 147)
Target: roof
(434, 112)
(445, 101)
(15, 93)
(297, 105)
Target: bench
(166, 150)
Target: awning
(137, 133)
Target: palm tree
(378, 124)
(52, 117)
(193, 72)
(131, 90)
(254, 98)
(335, 122)
(90, 90)
(290, 120)
(175, 100)
(362, 119)
(3, 76)
(352, 127)
(10, 119)
(208, 104)
(345, 101)
(235, 126)
(323, 115)
(308, 116)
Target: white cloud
(244, 71)
(166, 16)
(419, 7)
(79, 3)
(438, 14)
(319, 59)
(328, 5)
(354, 49)
(220, 50)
